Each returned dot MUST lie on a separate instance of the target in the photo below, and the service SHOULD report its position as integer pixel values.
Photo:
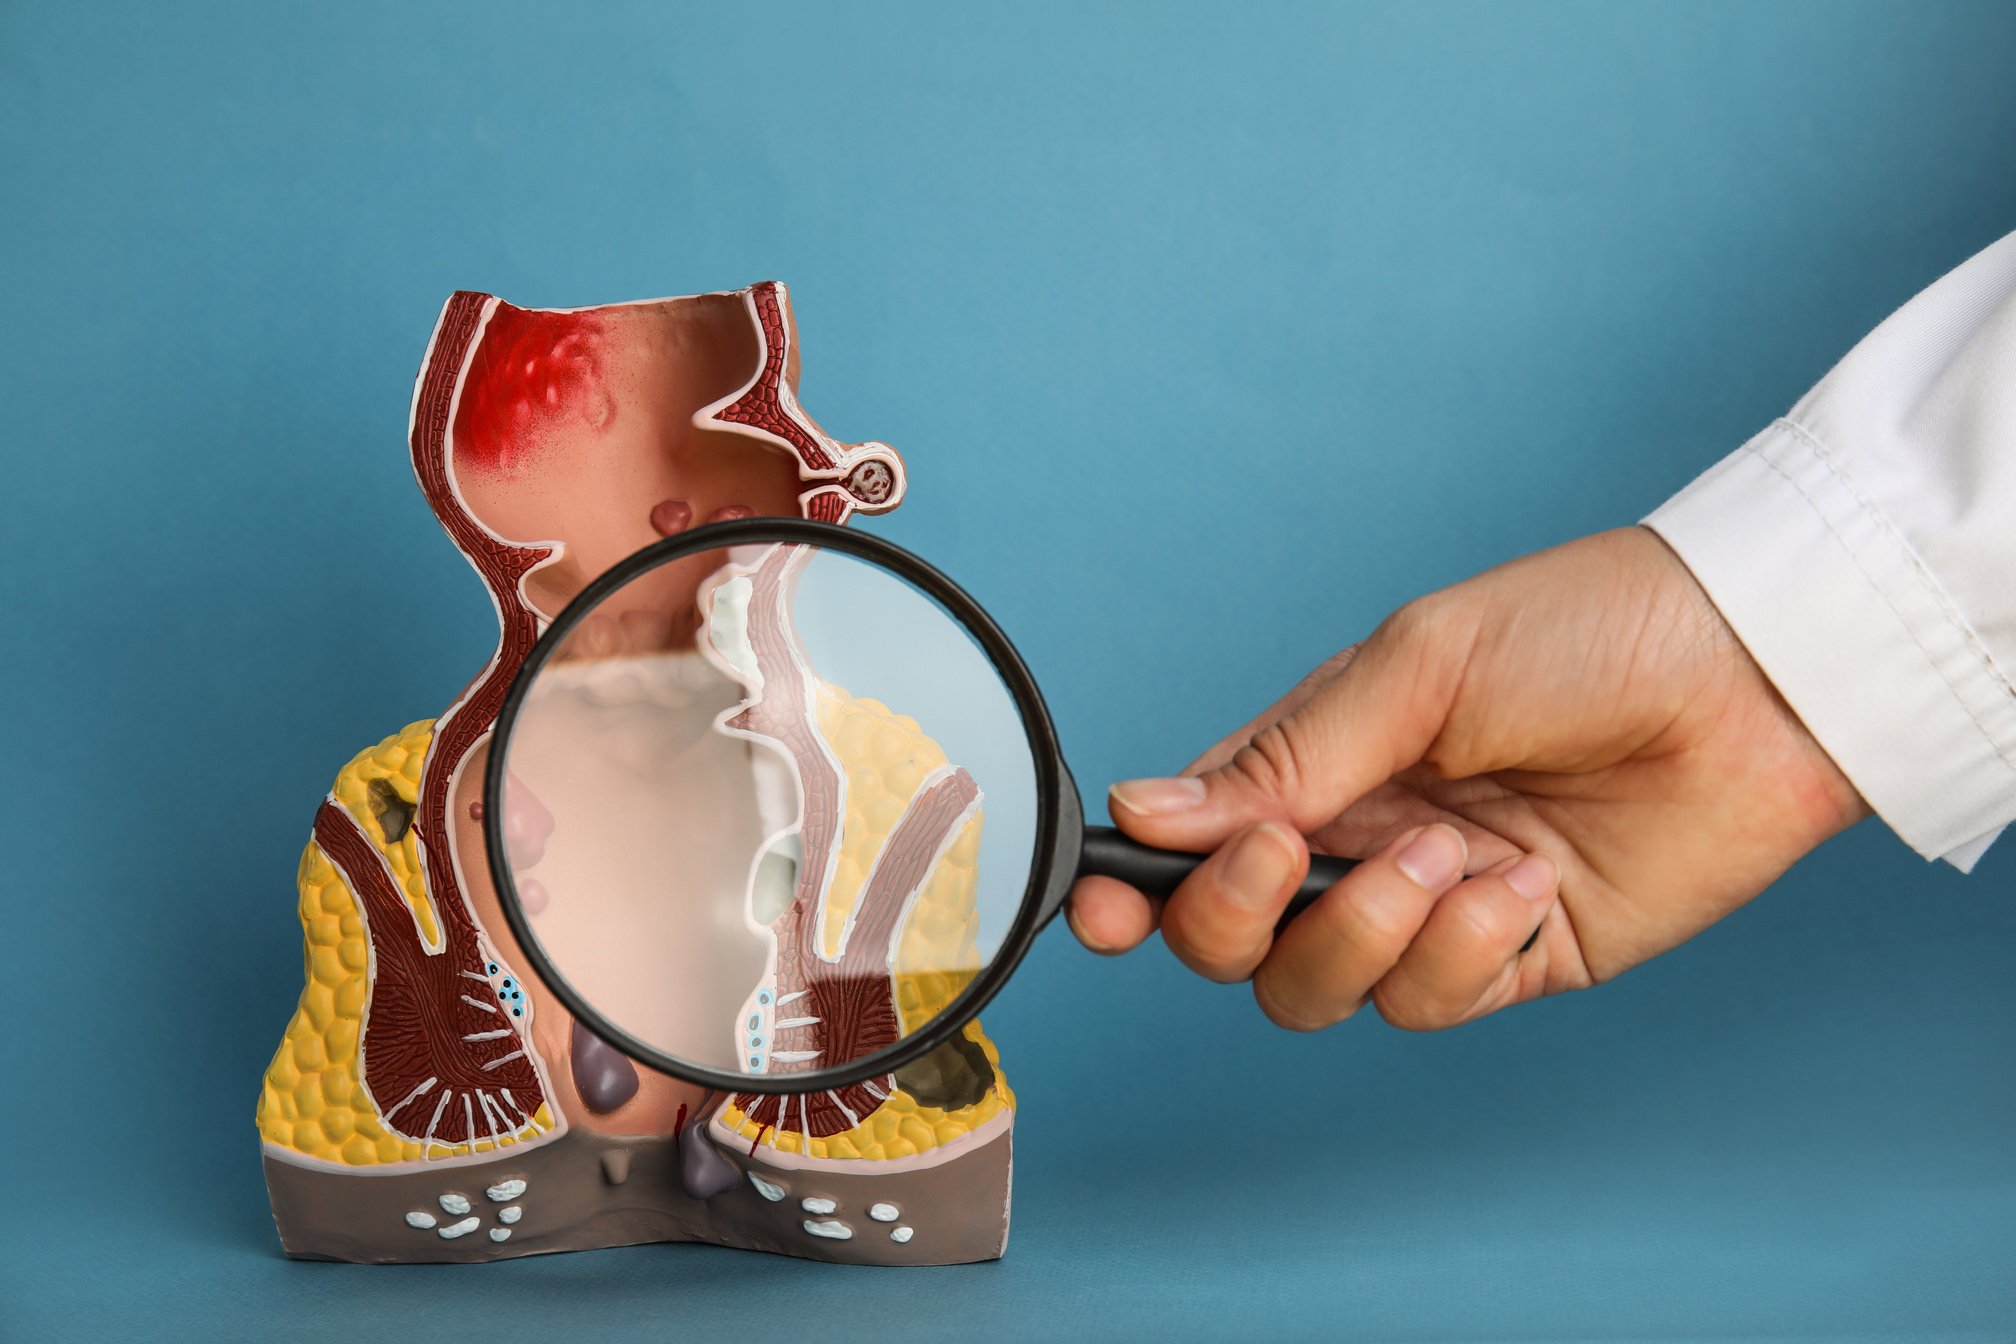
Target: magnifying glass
(775, 807)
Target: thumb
(1375, 718)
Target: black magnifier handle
(1156, 872)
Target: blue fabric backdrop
(1210, 333)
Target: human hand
(1558, 769)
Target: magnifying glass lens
(767, 811)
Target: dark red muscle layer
(761, 407)
(429, 1079)
(853, 999)
(407, 977)
(828, 506)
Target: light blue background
(1209, 333)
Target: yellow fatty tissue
(313, 1101)
(887, 756)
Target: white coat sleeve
(1864, 550)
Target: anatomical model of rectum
(428, 1102)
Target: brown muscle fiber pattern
(856, 1005)
(420, 1016)
(828, 506)
(413, 991)
(761, 407)
(854, 1001)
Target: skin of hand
(1552, 771)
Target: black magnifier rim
(1014, 673)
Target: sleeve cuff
(1857, 635)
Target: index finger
(1375, 717)
(1303, 691)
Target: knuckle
(1403, 1006)
(1429, 644)
(1412, 624)
(1374, 925)
(1483, 929)
(1270, 762)
(1203, 953)
(1328, 669)
(1287, 1012)
(1444, 762)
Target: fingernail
(1258, 867)
(1434, 858)
(1533, 877)
(1155, 797)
